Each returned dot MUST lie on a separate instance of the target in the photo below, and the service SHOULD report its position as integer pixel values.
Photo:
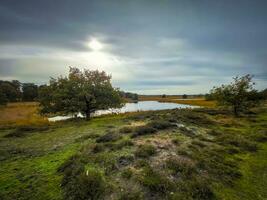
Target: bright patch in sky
(95, 45)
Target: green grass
(215, 156)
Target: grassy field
(177, 99)
(177, 154)
(21, 113)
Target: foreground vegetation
(177, 154)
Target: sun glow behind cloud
(95, 45)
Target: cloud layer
(149, 47)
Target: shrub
(155, 181)
(143, 130)
(126, 129)
(98, 148)
(141, 163)
(86, 185)
(145, 151)
(106, 160)
(198, 143)
(195, 188)
(121, 144)
(125, 160)
(176, 141)
(161, 124)
(237, 141)
(108, 137)
(127, 173)
(214, 133)
(217, 166)
(131, 193)
(181, 166)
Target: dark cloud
(185, 45)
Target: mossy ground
(190, 154)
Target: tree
(29, 91)
(81, 91)
(184, 96)
(239, 94)
(163, 96)
(11, 90)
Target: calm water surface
(132, 107)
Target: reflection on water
(132, 107)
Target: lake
(132, 107)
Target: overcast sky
(149, 46)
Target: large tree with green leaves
(239, 94)
(80, 92)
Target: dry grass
(22, 113)
(174, 99)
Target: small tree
(239, 94)
(184, 96)
(82, 91)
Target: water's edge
(131, 107)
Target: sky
(148, 46)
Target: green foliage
(131, 193)
(3, 98)
(143, 130)
(161, 124)
(155, 181)
(196, 188)
(82, 91)
(237, 141)
(239, 94)
(108, 137)
(86, 185)
(181, 166)
(126, 129)
(10, 91)
(127, 173)
(145, 151)
(129, 95)
(29, 91)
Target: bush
(121, 144)
(155, 181)
(108, 137)
(141, 163)
(98, 148)
(198, 143)
(176, 141)
(181, 166)
(195, 188)
(131, 193)
(127, 173)
(238, 141)
(126, 129)
(106, 160)
(145, 151)
(161, 124)
(143, 130)
(86, 185)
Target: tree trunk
(236, 111)
(88, 108)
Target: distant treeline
(15, 91)
(129, 95)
